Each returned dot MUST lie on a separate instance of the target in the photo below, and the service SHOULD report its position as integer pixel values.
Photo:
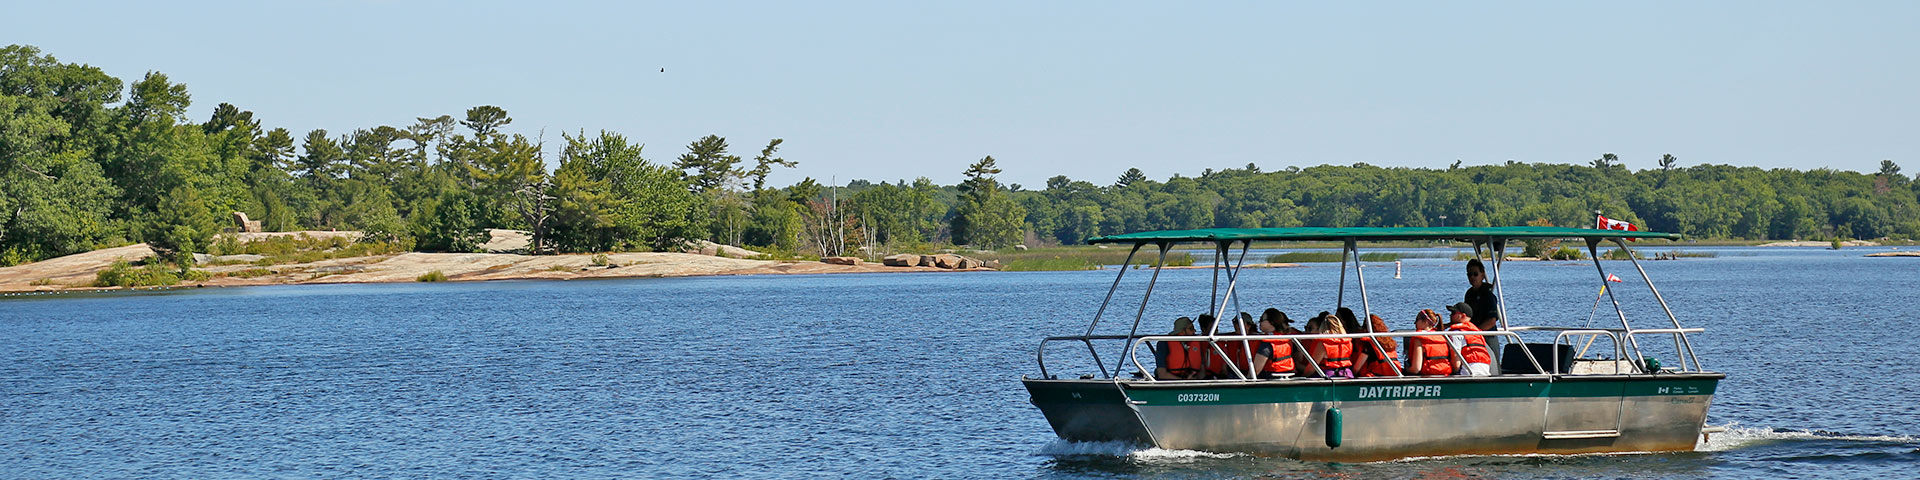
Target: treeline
(87, 161)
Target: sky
(896, 90)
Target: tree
(1606, 161)
(1668, 161)
(498, 167)
(764, 164)
(274, 150)
(987, 217)
(180, 228)
(323, 160)
(1130, 177)
(710, 165)
(535, 206)
(447, 224)
(485, 120)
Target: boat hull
(1379, 419)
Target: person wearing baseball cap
(1473, 348)
(1179, 360)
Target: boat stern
(1087, 410)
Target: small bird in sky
(663, 70)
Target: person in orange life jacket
(1277, 358)
(1333, 355)
(1179, 360)
(1376, 356)
(1362, 348)
(1235, 350)
(1216, 367)
(1473, 349)
(1274, 316)
(1428, 354)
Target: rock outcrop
(855, 261)
(901, 260)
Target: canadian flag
(1611, 224)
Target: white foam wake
(1059, 447)
(1738, 437)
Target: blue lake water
(862, 376)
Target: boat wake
(1064, 448)
(1737, 437)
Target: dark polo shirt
(1486, 306)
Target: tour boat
(1554, 395)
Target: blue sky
(895, 90)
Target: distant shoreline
(76, 273)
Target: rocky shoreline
(77, 272)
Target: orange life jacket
(1339, 353)
(1282, 359)
(1183, 358)
(1236, 353)
(1438, 360)
(1379, 363)
(1476, 350)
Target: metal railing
(1561, 334)
(1619, 346)
(1297, 344)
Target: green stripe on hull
(1365, 391)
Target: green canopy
(1371, 234)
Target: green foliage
(123, 274)
(987, 217)
(1072, 258)
(600, 260)
(433, 276)
(250, 273)
(1620, 254)
(448, 224)
(182, 227)
(1566, 253)
(1049, 264)
(80, 168)
(302, 248)
(1331, 257)
(711, 167)
(610, 198)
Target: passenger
(1473, 348)
(1235, 350)
(1333, 355)
(1480, 297)
(1376, 356)
(1276, 357)
(1428, 354)
(1349, 321)
(1178, 360)
(1215, 366)
(1273, 316)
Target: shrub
(1620, 254)
(1566, 253)
(1049, 264)
(600, 260)
(250, 273)
(1329, 257)
(433, 276)
(123, 274)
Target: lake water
(861, 376)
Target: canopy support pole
(1680, 340)
(1366, 307)
(1151, 281)
(1103, 311)
(1593, 246)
